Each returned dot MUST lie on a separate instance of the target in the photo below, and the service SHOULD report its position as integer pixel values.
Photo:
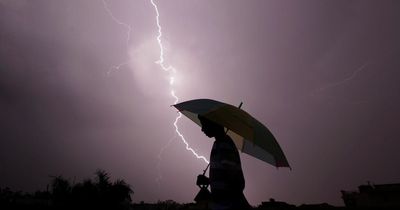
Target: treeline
(103, 193)
(99, 193)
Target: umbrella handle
(205, 170)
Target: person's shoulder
(227, 143)
(228, 140)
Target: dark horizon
(102, 192)
(323, 76)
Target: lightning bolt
(158, 166)
(335, 84)
(172, 71)
(128, 36)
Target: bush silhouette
(100, 193)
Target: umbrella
(249, 135)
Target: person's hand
(202, 180)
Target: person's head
(210, 128)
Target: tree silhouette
(98, 194)
(120, 192)
(61, 191)
(103, 180)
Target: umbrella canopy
(249, 135)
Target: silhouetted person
(226, 176)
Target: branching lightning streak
(158, 166)
(354, 74)
(128, 35)
(172, 71)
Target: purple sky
(322, 75)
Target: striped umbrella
(249, 135)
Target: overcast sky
(323, 76)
